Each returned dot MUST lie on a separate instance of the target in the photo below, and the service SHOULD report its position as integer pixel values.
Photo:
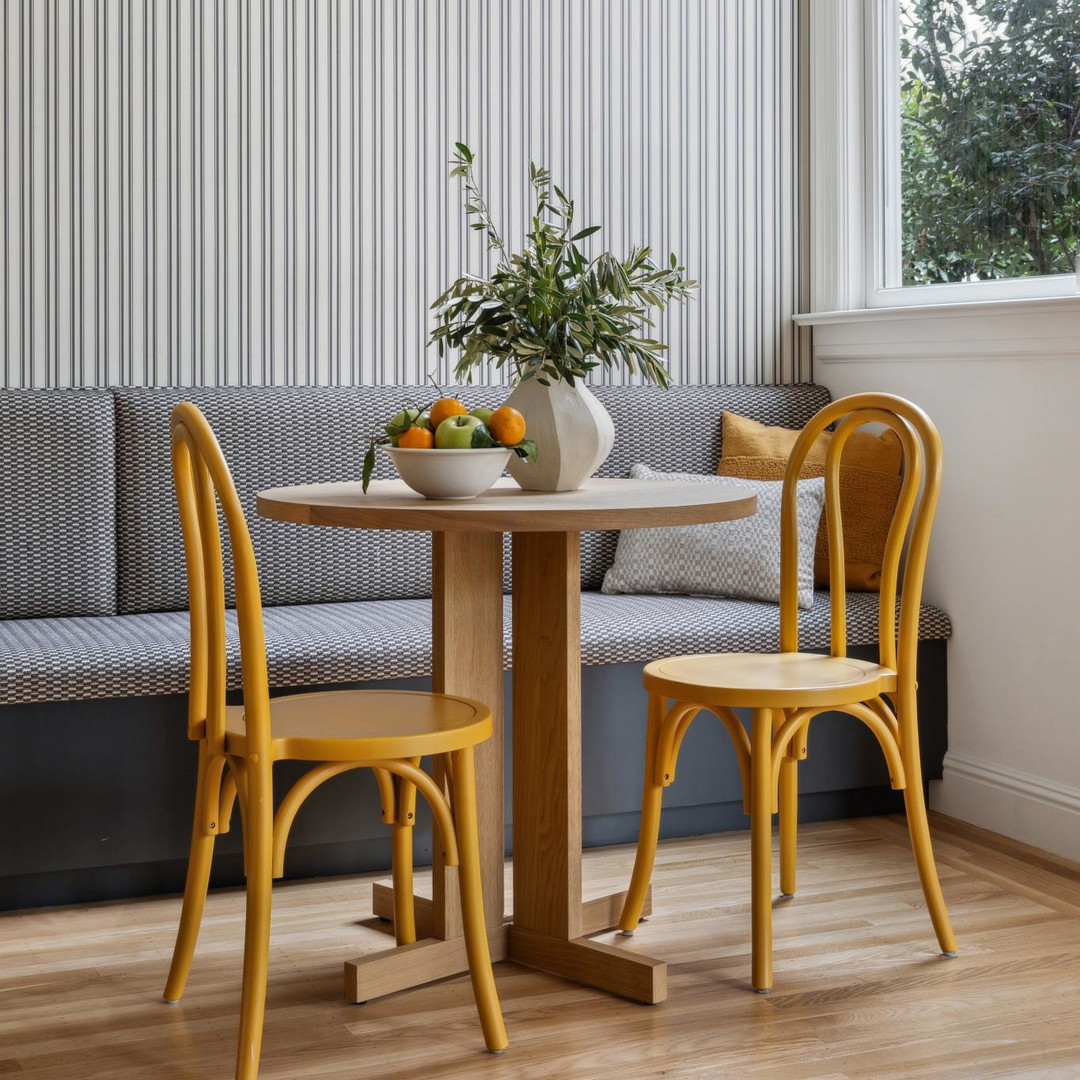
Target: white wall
(1003, 385)
(257, 191)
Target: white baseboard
(1017, 804)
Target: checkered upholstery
(57, 497)
(319, 644)
(270, 436)
(92, 583)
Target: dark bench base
(96, 796)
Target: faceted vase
(572, 431)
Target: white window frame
(855, 171)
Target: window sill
(1056, 305)
(992, 330)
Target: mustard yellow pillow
(869, 487)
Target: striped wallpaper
(255, 191)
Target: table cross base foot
(593, 963)
(405, 966)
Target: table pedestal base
(552, 927)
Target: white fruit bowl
(449, 474)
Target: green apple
(456, 432)
(484, 414)
(400, 421)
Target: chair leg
(200, 857)
(259, 861)
(761, 850)
(404, 817)
(402, 863)
(789, 823)
(198, 876)
(919, 831)
(463, 771)
(649, 827)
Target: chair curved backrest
(914, 513)
(203, 482)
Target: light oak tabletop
(600, 504)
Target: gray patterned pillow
(738, 559)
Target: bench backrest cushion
(58, 500)
(273, 436)
(270, 436)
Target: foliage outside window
(990, 153)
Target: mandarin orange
(507, 426)
(417, 438)
(444, 408)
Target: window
(973, 129)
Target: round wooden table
(550, 924)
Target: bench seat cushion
(317, 644)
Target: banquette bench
(96, 774)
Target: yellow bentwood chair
(786, 690)
(385, 731)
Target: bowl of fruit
(446, 452)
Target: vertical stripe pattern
(221, 192)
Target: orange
(507, 426)
(444, 407)
(417, 438)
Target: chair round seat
(345, 725)
(768, 680)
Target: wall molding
(1029, 808)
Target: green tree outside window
(990, 157)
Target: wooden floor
(861, 991)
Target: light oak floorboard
(861, 993)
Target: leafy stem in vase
(548, 312)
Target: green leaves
(548, 311)
(990, 161)
(526, 450)
(481, 437)
(369, 460)
(474, 202)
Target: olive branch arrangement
(548, 311)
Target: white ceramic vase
(572, 431)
